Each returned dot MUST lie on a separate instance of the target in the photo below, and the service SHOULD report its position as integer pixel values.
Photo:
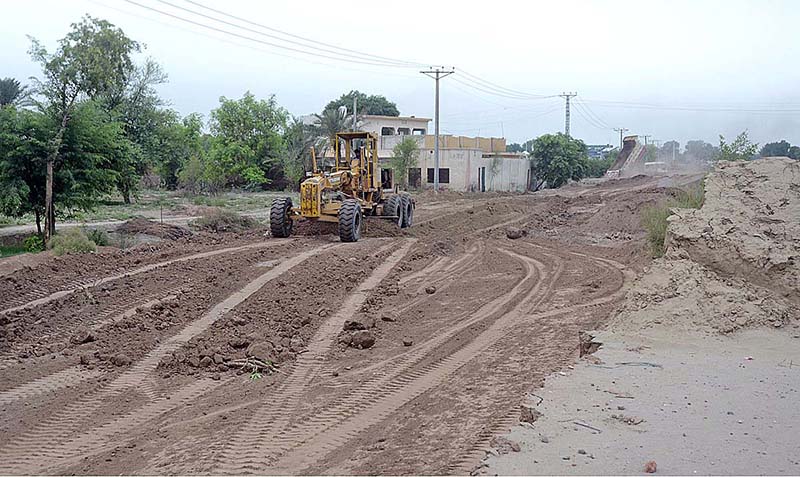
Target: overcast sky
(671, 69)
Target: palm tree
(13, 93)
(330, 122)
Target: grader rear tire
(280, 224)
(408, 211)
(350, 221)
(394, 206)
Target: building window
(418, 132)
(386, 131)
(444, 175)
(403, 131)
(415, 177)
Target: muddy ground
(405, 353)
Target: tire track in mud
(390, 382)
(243, 451)
(406, 379)
(40, 297)
(370, 404)
(57, 432)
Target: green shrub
(99, 237)
(221, 220)
(9, 250)
(34, 244)
(72, 240)
(654, 218)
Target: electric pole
(437, 74)
(567, 96)
(621, 131)
(646, 136)
(355, 113)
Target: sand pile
(732, 264)
(749, 226)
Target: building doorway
(481, 179)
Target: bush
(221, 220)
(34, 244)
(99, 237)
(654, 218)
(72, 240)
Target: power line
(338, 65)
(308, 40)
(503, 88)
(256, 40)
(592, 114)
(589, 119)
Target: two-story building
(465, 163)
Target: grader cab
(345, 191)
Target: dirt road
(123, 363)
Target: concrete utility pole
(646, 137)
(567, 96)
(437, 73)
(355, 113)
(621, 131)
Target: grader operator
(345, 192)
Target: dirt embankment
(749, 226)
(732, 264)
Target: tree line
(93, 124)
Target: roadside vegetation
(654, 218)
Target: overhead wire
(362, 56)
(249, 46)
(304, 39)
(256, 40)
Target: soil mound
(156, 229)
(748, 226)
(734, 263)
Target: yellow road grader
(345, 192)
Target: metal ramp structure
(630, 158)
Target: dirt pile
(731, 264)
(684, 295)
(749, 226)
(222, 220)
(144, 226)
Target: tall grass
(654, 218)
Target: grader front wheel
(280, 224)
(350, 221)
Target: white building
(465, 163)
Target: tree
(12, 93)
(89, 147)
(174, 142)
(775, 149)
(299, 138)
(92, 60)
(700, 151)
(330, 122)
(373, 104)
(741, 149)
(556, 159)
(405, 155)
(794, 152)
(514, 147)
(248, 140)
